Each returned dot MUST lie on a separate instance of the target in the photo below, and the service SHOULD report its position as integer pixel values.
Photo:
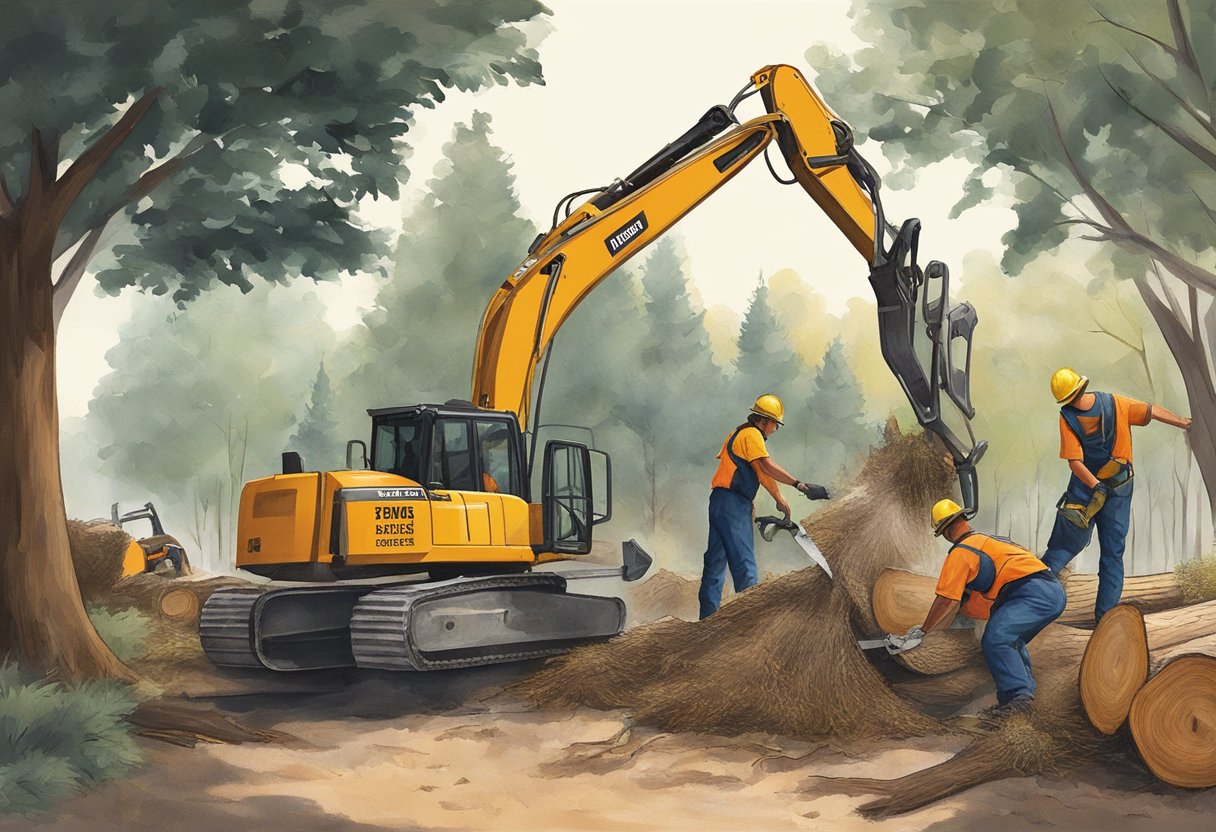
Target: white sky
(623, 78)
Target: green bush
(124, 631)
(1197, 578)
(56, 741)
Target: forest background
(198, 398)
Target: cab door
(566, 500)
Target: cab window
(398, 447)
(452, 463)
(496, 456)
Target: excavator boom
(926, 346)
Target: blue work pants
(1028, 607)
(1067, 541)
(731, 544)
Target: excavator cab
(457, 447)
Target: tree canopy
(240, 136)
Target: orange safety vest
(1000, 562)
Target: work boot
(1017, 705)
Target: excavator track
(429, 626)
(476, 621)
(224, 627)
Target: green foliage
(837, 427)
(1197, 578)
(281, 115)
(202, 399)
(124, 631)
(457, 245)
(1074, 102)
(56, 741)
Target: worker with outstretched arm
(989, 577)
(744, 465)
(1096, 441)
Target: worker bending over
(1096, 440)
(992, 578)
(743, 465)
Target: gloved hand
(1101, 492)
(902, 644)
(812, 491)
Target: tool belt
(1121, 476)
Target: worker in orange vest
(1096, 441)
(743, 466)
(994, 579)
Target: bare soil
(448, 751)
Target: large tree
(1097, 116)
(236, 137)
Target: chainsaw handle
(769, 526)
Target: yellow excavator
(425, 558)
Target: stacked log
(1170, 713)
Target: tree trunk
(42, 618)
(1190, 355)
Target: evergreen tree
(768, 363)
(674, 405)
(458, 244)
(316, 437)
(835, 426)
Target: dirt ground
(444, 751)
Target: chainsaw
(769, 526)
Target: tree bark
(42, 618)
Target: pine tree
(457, 245)
(836, 429)
(768, 363)
(316, 437)
(674, 404)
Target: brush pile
(781, 657)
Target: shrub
(1197, 578)
(56, 741)
(124, 631)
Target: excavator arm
(926, 345)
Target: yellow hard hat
(945, 512)
(1067, 384)
(770, 407)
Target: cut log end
(1173, 722)
(1114, 667)
(178, 604)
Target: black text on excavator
(439, 532)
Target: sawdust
(781, 657)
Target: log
(1053, 736)
(1114, 667)
(902, 598)
(1173, 722)
(1151, 593)
(178, 604)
